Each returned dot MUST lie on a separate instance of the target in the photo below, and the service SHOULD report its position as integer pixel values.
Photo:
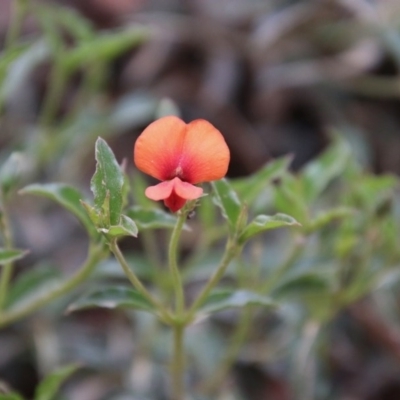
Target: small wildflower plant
(191, 161)
(180, 155)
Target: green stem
(137, 284)
(95, 254)
(173, 263)
(231, 250)
(178, 363)
(6, 271)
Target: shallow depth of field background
(275, 77)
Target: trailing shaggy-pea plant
(308, 273)
(182, 156)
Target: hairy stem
(173, 263)
(231, 250)
(137, 284)
(178, 363)
(6, 270)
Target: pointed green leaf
(226, 298)
(10, 255)
(77, 25)
(103, 47)
(108, 180)
(113, 297)
(17, 63)
(289, 198)
(250, 187)
(51, 384)
(317, 174)
(371, 191)
(129, 225)
(152, 218)
(227, 200)
(32, 283)
(126, 227)
(66, 196)
(13, 170)
(92, 213)
(302, 285)
(327, 217)
(264, 223)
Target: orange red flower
(180, 155)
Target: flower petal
(161, 191)
(158, 149)
(175, 193)
(205, 154)
(186, 190)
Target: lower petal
(175, 193)
(161, 191)
(187, 190)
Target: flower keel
(175, 193)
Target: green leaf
(103, 47)
(289, 198)
(13, 170)
(113, 297)
(31, 283)
(226, 298)
(227, 200)
(317, 174)
(264, 223)
(302, 285)
(75, 23)
(18, 63)
(152, 218)
(92, 213)
(10, 255)
(327, 217)
(126, 227)
(66, 196)
(50, 385)
(250, 187)
(11, 396)
(107, 183)
(371, 191)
